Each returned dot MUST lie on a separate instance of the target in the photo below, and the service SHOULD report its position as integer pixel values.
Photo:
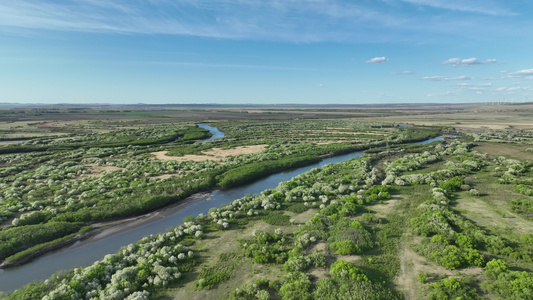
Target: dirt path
(412, 264)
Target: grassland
(436, 221)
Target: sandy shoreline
(106, 229)
(113, 227)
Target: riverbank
(114, 227)
(103, 230)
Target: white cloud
(377, 60)
(525, 72)
(467, 62)
(442, 78)
(512, 89)
(404, 73)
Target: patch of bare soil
(320, 246)
(348, 258)
(329, 142)
(96, 170)
(165, 176)
(412, 264)
(2, 143)
(212, 154)
(319, 273)
(47, 125)
(382, 210)
(304, 217)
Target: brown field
(212, 154)
(35, 121)
(496, 117)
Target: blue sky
(262, 52)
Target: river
(217, 134)
(81, 254)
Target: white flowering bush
(152, 262)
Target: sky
(266, 52)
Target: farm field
(440, 220)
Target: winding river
(217, 134)
(80, 254)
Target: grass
(277, 219)
(493, 208)
(220, 254)
(438, 165)
(517, 151)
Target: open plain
(412, 218)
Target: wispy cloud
(488, 7)
(253, 19)
(377, 60)
(213, 65)
(474, 87)
(404, 73)
(467, 62)
(443, 78)
(294, 20)
(512, 89)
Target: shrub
(360, 237)
(297, 208)
(452, 185)
(495, 267)
(423, 277)
(345, 247)
(507, 284)
(439, 239)
(277, 219)
(452, 257)
(527, 238)
(452, 288)
(357, 225)
(464, 241)
(295, 286)
(341, 270)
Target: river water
(217, 134)
(84, 254)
